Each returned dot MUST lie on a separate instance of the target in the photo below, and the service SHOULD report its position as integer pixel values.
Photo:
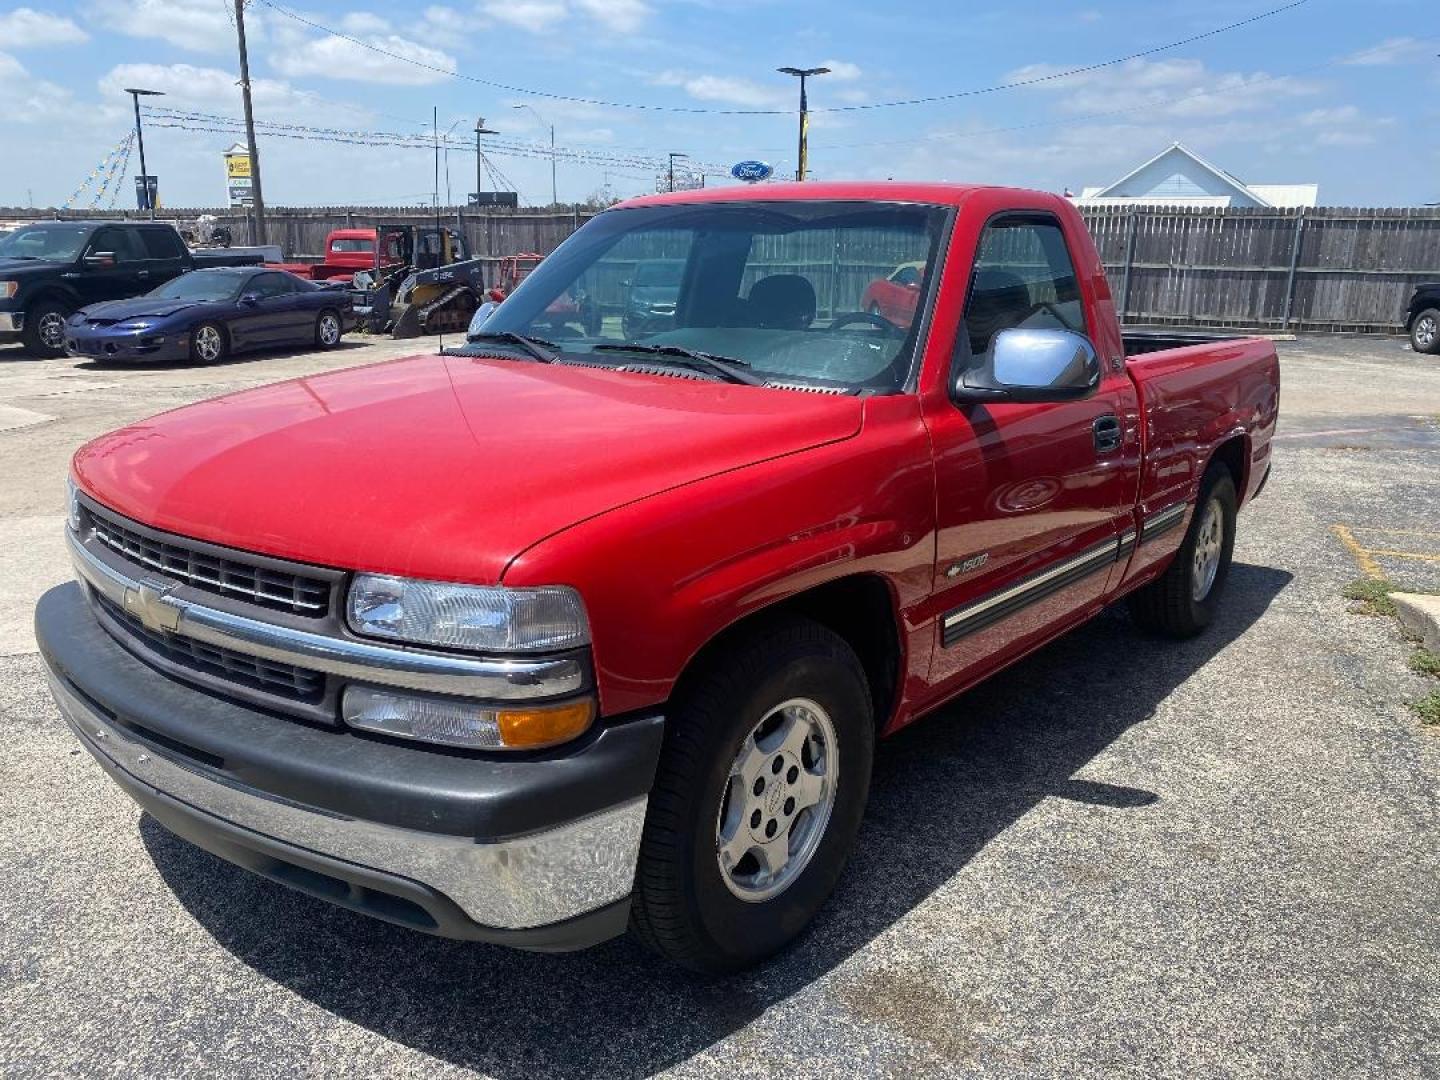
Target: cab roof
(812, 191)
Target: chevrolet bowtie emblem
(146, 601)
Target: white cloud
(842, 70)
(408, 64)
(621, 16)
(1175, 88)
(364, 22)
(25, 27)
(1344, 125)
(1398, 50)
(532, 15)
(207, 88)
(199, 25)
(726, 89)
(30, 99)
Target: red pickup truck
(540, 639)
(348, 251)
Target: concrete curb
(1420, 613)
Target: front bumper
(536, 853)
(11, 325)
(127, 347)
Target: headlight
(456, 722)
(135, 324)
(8, 289)
(479, 617)
(72, 504)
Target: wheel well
(858, 608)
(1231, 454)
(44, 295)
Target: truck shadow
(942, 790)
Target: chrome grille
(276, 589)
(284, 680)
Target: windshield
(201, 285)
(784, 288)
(53, 243)
(347, 244)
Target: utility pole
(671, 173)
(802, 160)
(256, 194)
(554, 190)
(480, 129)
(146, 203)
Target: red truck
(540, 639)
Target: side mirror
(1035, 366)
(625, 283)
(250, 299)
(100, 259)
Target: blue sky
(1336, 92)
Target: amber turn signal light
(524, 729)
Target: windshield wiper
(727, 367)
(538, 348)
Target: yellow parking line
(1362, 555)
(1399, 532)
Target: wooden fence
(1329, 269)
(1325, 269)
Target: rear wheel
(1425, 331)
(208, 343)
(1182, 601)
(759, 793)
(44, 333)
(327, 329)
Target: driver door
(111, 262)
(1031, 496)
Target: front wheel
(44, 332)
(759, 794)
(208, 343)
(1425, 331)
(1182, 601)
(328, 330)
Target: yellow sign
(237, 166)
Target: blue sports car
(206, 315)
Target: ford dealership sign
(752, 172)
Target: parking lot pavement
(1123, 857)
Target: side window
(162, 244)
(1023, 276)
(906, 275)
(122, 243)
(270, 285)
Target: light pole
(554, 191)
(802, 161)
(146, 203)
(671, 173)
(480, 129)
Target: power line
(645, 107)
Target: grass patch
(1425, 662)
(1428, 708)
(1372, 595)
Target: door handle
(143, 274)
(1108, 435)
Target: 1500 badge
(965, 566)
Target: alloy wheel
(1209, 542)
(1426, 331)
(778, 798)
(208, 343)
(329, 329)
(52, 329)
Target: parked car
(651, 292)
(49, 269)
(1422, 319)
(894, 296)
(531, 643)
(206, 315)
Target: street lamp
(802, 74)
(480, 129)
(673, 156)
(146, 203)
(554, 192)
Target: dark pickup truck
(1422, 318)
(51, 268)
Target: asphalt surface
(1123, 857)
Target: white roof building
(1177, 176)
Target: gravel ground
(1122, 857)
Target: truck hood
(141, 307)
(441, 467)
(10, 269)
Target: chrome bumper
(12, 322)
(526, 882)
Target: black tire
(1169, 605)
(1425, 331)
(39, 333)
(328, 329)
(682, 906)
(202, 351)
